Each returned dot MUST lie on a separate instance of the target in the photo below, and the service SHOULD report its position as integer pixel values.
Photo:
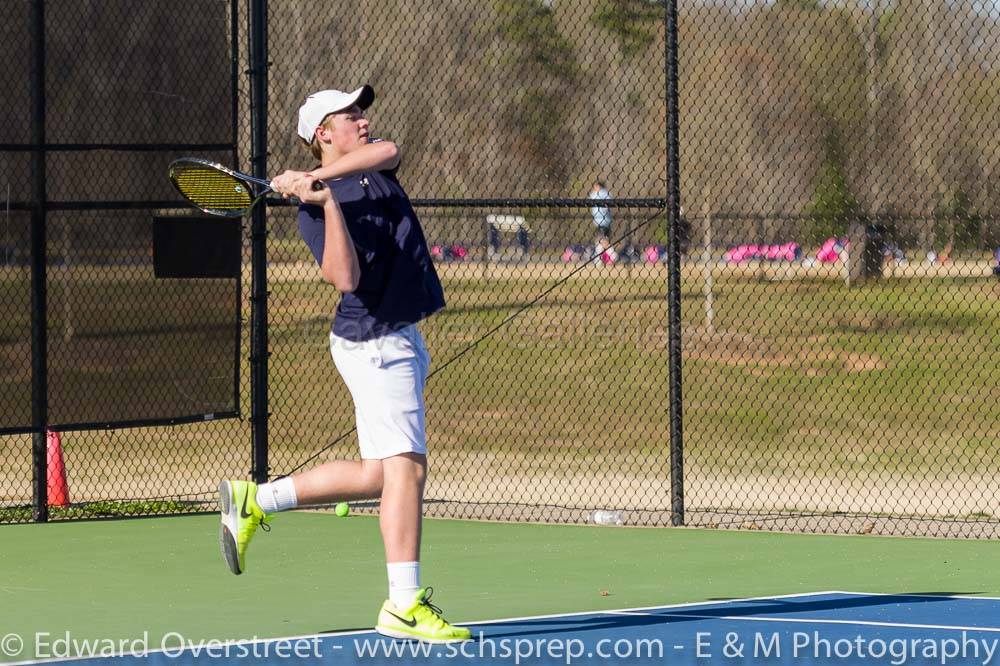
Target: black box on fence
(196, 247)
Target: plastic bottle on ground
(603, 517)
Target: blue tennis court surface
(827, 627)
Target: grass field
(801, 395)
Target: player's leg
(400, 519)
(408, 612)
(401, 510)
(245, 506)
(335, 481)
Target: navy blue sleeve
(312, 228)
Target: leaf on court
(605, 593)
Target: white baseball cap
(321, 104)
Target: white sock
(404, 581)
(277, 496)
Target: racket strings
(208, 188)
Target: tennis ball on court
(342, 509)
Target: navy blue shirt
(398, 284)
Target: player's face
(346, 130)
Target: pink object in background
(742, 253)
(829, 251)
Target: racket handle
(316, 186)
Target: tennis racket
(218, 190)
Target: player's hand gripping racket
(218, 190)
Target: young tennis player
(368, 243)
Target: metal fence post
(258, 248)
(674, 273)
(39, 337)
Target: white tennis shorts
(386, 379)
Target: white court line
(916, 596)
(616, 611)
(337, 634)
(867, 623)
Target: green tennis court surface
(316, 573)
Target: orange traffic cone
(58, 490)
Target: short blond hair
(313, 144)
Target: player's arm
(374, 156)
(340, 260)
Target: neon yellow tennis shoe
(241, 515)
(422, 621)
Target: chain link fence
(839, 261)
(807, 129)
(841, 319)
(548, 394)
